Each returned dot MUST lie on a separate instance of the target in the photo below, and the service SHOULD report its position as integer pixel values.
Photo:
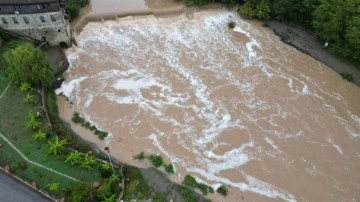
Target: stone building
(42, 20)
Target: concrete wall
(51, 25)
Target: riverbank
(307, 42)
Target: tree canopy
(26, 63)
(334, 21)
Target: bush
(14, 167)
(157, 161)
(187, 194)
(80, 192)
(231, 25)
(140, 156)
(169, 168)
(347, 76)
(222, 190)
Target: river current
(229, 106)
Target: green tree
(26, 63)
(24, 87)
(40, 136)
(263, 10)
(53, 187)
(109, 199)
(32, 123)
(114, 179)
(28, 98)
(74, 158)
(88, 162)
(57, 147)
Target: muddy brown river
(229, 106)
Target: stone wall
(50, 26)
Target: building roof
(26, 1)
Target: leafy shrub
(187, 194)
(222, 190)
(231, 25)
(347, 76)
(80, 192)
(14, 167)
(157, 161)
(140, 156)
(169, 168)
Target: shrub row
(157, 161)
(80, 120)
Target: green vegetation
(136, 188)
(157, 161)
(191, 181)
(347, 76)
(80, 120)
(231, 25)
(73, 7)
(26, 63)
(334, 21)
(222, 190)
(201, 2)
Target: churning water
(235, 107)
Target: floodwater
(235, 107)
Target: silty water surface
(235, 107)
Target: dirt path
(308, 43)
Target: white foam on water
(67, 88)
(153, 55)
(337, 147)
(271, 142)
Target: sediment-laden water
(235, 107)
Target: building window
(15, 20)
(4, 20)
(42, 18)
(26, 20)
(53, 18)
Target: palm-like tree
(40, 136)
(74, 158)
(114, 179)
(33, 123)
(58, 146)
(88, 162)
(110, 199)
(24, 86)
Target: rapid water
(235, 107)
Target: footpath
(308, 43)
